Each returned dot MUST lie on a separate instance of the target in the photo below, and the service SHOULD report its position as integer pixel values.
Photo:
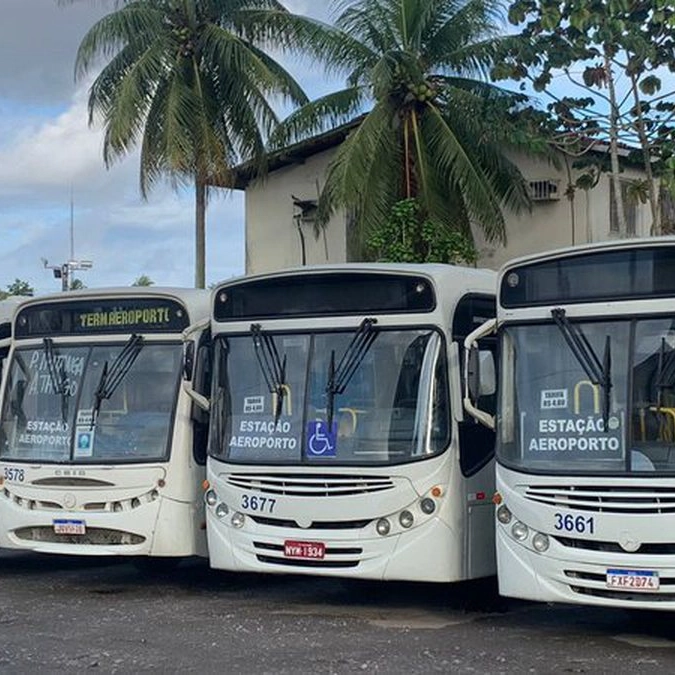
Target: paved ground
(68, 614)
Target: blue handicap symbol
(321, 442)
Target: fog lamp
(428, 505)
(540, 542)
(383, 527)
(519, 531)
(406, 519)
(503, 515)
(237, 519)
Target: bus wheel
(152, 566)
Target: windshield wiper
(271, 365)
(598, 372)
(57, 375)
(340, 375)
(665, 373)
(112, 376)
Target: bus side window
(476, 441)
(202, 385)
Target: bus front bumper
(582, 578)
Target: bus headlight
(237, 520)
(211, 497)
(117, 507)
(383, 527)
(540, 542)
(503, 515)
(428, 505)
(406, 519)
(222, 510)
(519, 531)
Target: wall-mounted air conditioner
(544, 190)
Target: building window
(630, 209)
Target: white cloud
(47, 148)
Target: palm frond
(138, 22)
(370, 148)
(463, 174)
(337, 51)
(328, 111)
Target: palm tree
(435, 130)
(184, 82)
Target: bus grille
(613, 547)
(273, 554)
(594, 584)
(95, 536)
(310, 485)
(318, 525)
(605, 499)
(127, 504)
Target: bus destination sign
(115, 315)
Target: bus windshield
(366, 396)
(552, 416)
(90, 404)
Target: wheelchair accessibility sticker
(321, 442)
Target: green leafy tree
(185, 83)
(436, 131)
(143, 280)
(615, 53)
(17, 287)
(77, 285)
(407, 238)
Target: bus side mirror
(188, 360)
(480, 375)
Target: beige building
(280, 229)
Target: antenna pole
(72, 224)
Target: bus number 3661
(570, 523)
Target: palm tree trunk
(200, 232)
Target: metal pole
(65, 277)
(72, 226)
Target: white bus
(100, 453)
(7, 308)
(337, 442)
(586, 425)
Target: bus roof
(436, 271)
(580, 249)
(607, 272)
(187, 295)
(8, 306)
(325, 291)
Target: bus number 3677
(256, 503)
(570, 523)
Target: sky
(48, 152)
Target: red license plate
(313, 550)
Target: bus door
(477, 442)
